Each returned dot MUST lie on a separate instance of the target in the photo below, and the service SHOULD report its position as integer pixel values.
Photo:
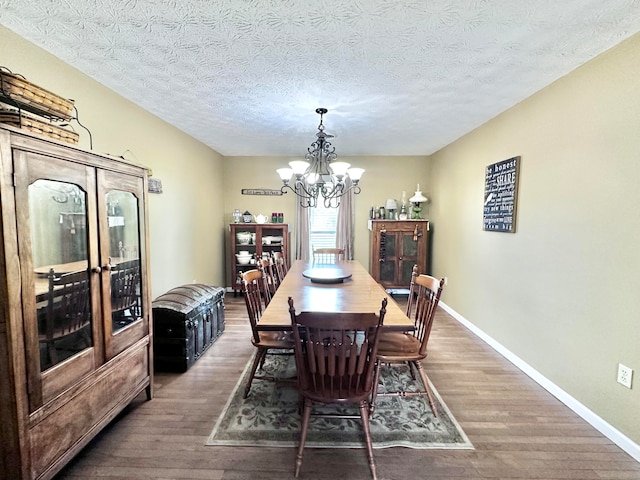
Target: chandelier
(319, 176)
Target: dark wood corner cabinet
(396, 246)
(257, 239)
(74, 299)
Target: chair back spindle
(424, 297)
(328, 255)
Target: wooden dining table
(357, 292)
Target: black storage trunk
(186, 321)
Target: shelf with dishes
(250, 241)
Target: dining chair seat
(397, 344)
(280, 340)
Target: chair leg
(374, 391)
(260, 354)
(425, 382)
(306, 415)
(364, 415)
(410, 365)
(264, 357)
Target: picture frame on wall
(501, 195)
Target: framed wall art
(501, 195)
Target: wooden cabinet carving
(396, 246)
(256, 239)
(74, 312)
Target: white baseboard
(620, 439)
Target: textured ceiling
(398, 77)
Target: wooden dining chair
(67, 312)
(280, 264)
(253, 289)
(411, 347)
(265, 264)
(335, 355)
(125, 293)
(328, 255)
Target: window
(322, 227)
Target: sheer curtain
(302, 231)
(346, 222)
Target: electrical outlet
(625, 375)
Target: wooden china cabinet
(74, 299)
(396, 246)
(256, 239)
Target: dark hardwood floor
(518, 429)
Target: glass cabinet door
(121, 214)
(409, 257)
(124, 255)
(57, 221)
(388, 254)
(61, 309)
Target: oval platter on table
(326, 275)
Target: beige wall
(562, 292)
(384, 177)
(184, 221)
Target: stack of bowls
(244, 257)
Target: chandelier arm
(354, 187)
(283, 189)
(311, 202)
(332, 202)
(336, 191)
(311, 192)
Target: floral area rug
(269, 416)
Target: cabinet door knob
(108, 267)
(96, 269)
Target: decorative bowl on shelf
(243, 238)
(243, 259)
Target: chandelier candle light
(319, 175)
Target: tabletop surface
(359, 293)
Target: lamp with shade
(391, 206)
(417, 199)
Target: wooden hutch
(74, 302)
(396, 246)
(257, 239)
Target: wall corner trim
(608, 430)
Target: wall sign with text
(501, 195)
(260, 191)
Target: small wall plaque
(155, 185)
(260, 191)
